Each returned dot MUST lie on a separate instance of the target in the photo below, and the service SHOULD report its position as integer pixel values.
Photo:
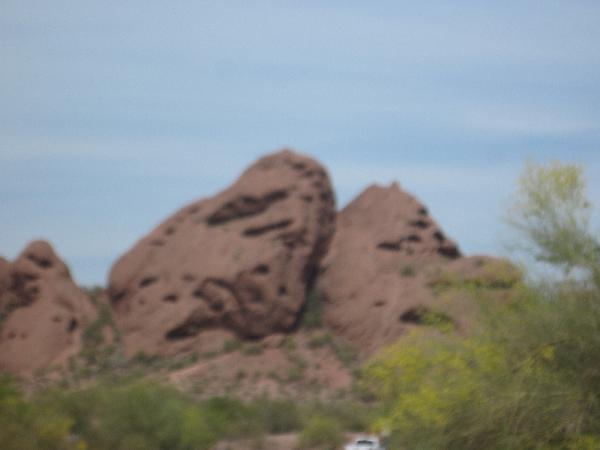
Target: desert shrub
(344, 352)
(134, 414)
(408, 271)
(93, 334)
(26, 426)
(320, 340)
(289, 344)
(297, 368)
(321, 433)
(351, 415)
(230, 417)
(276, 415)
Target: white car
(365, 443)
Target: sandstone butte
(45, 311)
(237, 263)
(242, 263)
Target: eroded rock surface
(43, 311)
(376, 280)
(240, 261)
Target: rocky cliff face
(240, 261)
(43, 311)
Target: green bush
(134, 414)
(277, 415)
(321, 433)
(25, 426)
(352, 415)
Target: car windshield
(364, 442)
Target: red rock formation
(240, 261)
(43, 311)
(376, 278)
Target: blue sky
(115, 114)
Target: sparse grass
(297, 369)
(93, 335)
(289, 344)
(408, 271)
(252, 349)
(232, 345)
(320, 340)
(344, 352)
(187, 360)
(313, 314)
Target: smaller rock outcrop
(376, 279)
(42, 311)
(240, 261)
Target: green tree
(552, 214)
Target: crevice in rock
(72, 325)
(421, 315)
(116, 297)
(262, 269)
(257, 231)
(170, 298)
(439, 236)
(449, 251)
(419, 223)
(392, 246)
(326, 196)
(245, 206)
(147, 281)
(293, 239)
(44, 263)
(187, 329)
(415, 315)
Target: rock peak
(239, 262)
(45, 311)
